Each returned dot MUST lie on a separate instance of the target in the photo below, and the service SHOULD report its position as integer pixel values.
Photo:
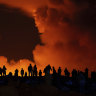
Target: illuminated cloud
(69, 34)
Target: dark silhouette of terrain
(55, 84)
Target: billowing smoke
(19, 34)
(69, 34)
(68, 28)
(18, 37)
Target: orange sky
(67, 37)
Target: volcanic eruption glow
(68, 28)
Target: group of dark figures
(76, 79)
(3, 71)
(32, 71)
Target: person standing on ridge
(30, 70)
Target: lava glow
(68, 34)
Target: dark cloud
(86, 18)
(18, 34)
(82, 2)
(57, 2)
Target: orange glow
(15, 65)
(59, 50)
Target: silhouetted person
(74, 74)
(59, 71)
(4, 70)
(25, 74)
(47, 75)
(35, 71)
(40, 73)
(54, 72)
(30, 70)
(86, 73)
(10, 74)
(67, 73)
(1, 71)
(22, 72)
(16, 73)
(47, 70)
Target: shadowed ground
(40, 90)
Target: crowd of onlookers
(32, 71)
(74, 80)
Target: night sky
(68, 36)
